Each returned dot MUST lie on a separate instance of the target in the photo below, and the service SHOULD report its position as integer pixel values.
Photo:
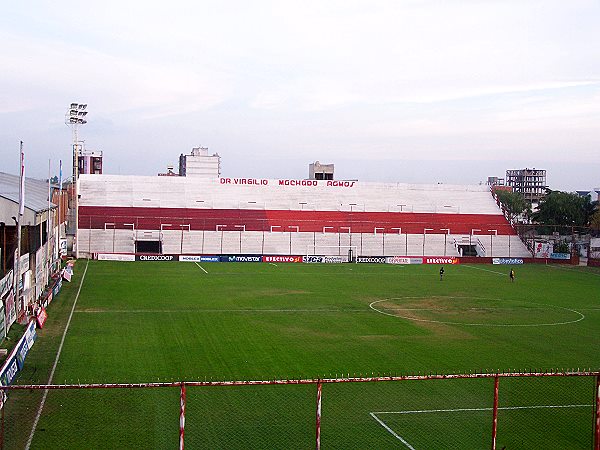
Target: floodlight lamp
(74, 105)
(81, 121)
(82, 113)
(72, 120)
(82, 107)
(72, 112)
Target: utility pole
(17, 274)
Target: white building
(200, 164)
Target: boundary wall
(399, 243)
(325, 259)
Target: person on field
(441, 273)
(512, 275)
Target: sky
(418, 91)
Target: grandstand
(182, 215)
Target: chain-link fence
(468, 411)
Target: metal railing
(481, 410)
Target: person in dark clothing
(512, 275)
(441, 273)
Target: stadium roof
(36, 196)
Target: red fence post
(597, 430)
(319, 390)
(182, 416)
(495, 413)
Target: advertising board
(335, 259)
(24, 263)
(155, 257)
(440, 260)
(63, 247)
(57, 287)
(6, 283)
(371, 259)
(25, 344)
(241, 258)
(47, 299)
(198, 258)
(9, 370)
(542, 250)
(403, 260)
(397, 260)
(507, 261)
(10, 311)
(41, 317)
(190, 258)
(313, 259)
(282, 259)
(115, 257)
(30, 334)
(22, 350)
(560, 256)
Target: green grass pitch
(161, 321)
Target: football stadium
(282, 313)
(179, 270)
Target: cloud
(113, 83)
(391, 79)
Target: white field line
(62, 341)
(201, 267)
(485, 270)
(392, 432)
(273, 264)
(332, 274)
(425, 411)
(507, 408)
(191, 311)
(478, 324)
(481, 308)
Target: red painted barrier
(95, 217)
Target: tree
(560, 247)
(595, 220)
(566, 209)
(514, 203)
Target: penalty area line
(60, 347)
(392, 432)
(203, 269)
(405, 442)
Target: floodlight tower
(75, 117)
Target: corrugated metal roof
(36, 192)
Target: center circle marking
(579, 315)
